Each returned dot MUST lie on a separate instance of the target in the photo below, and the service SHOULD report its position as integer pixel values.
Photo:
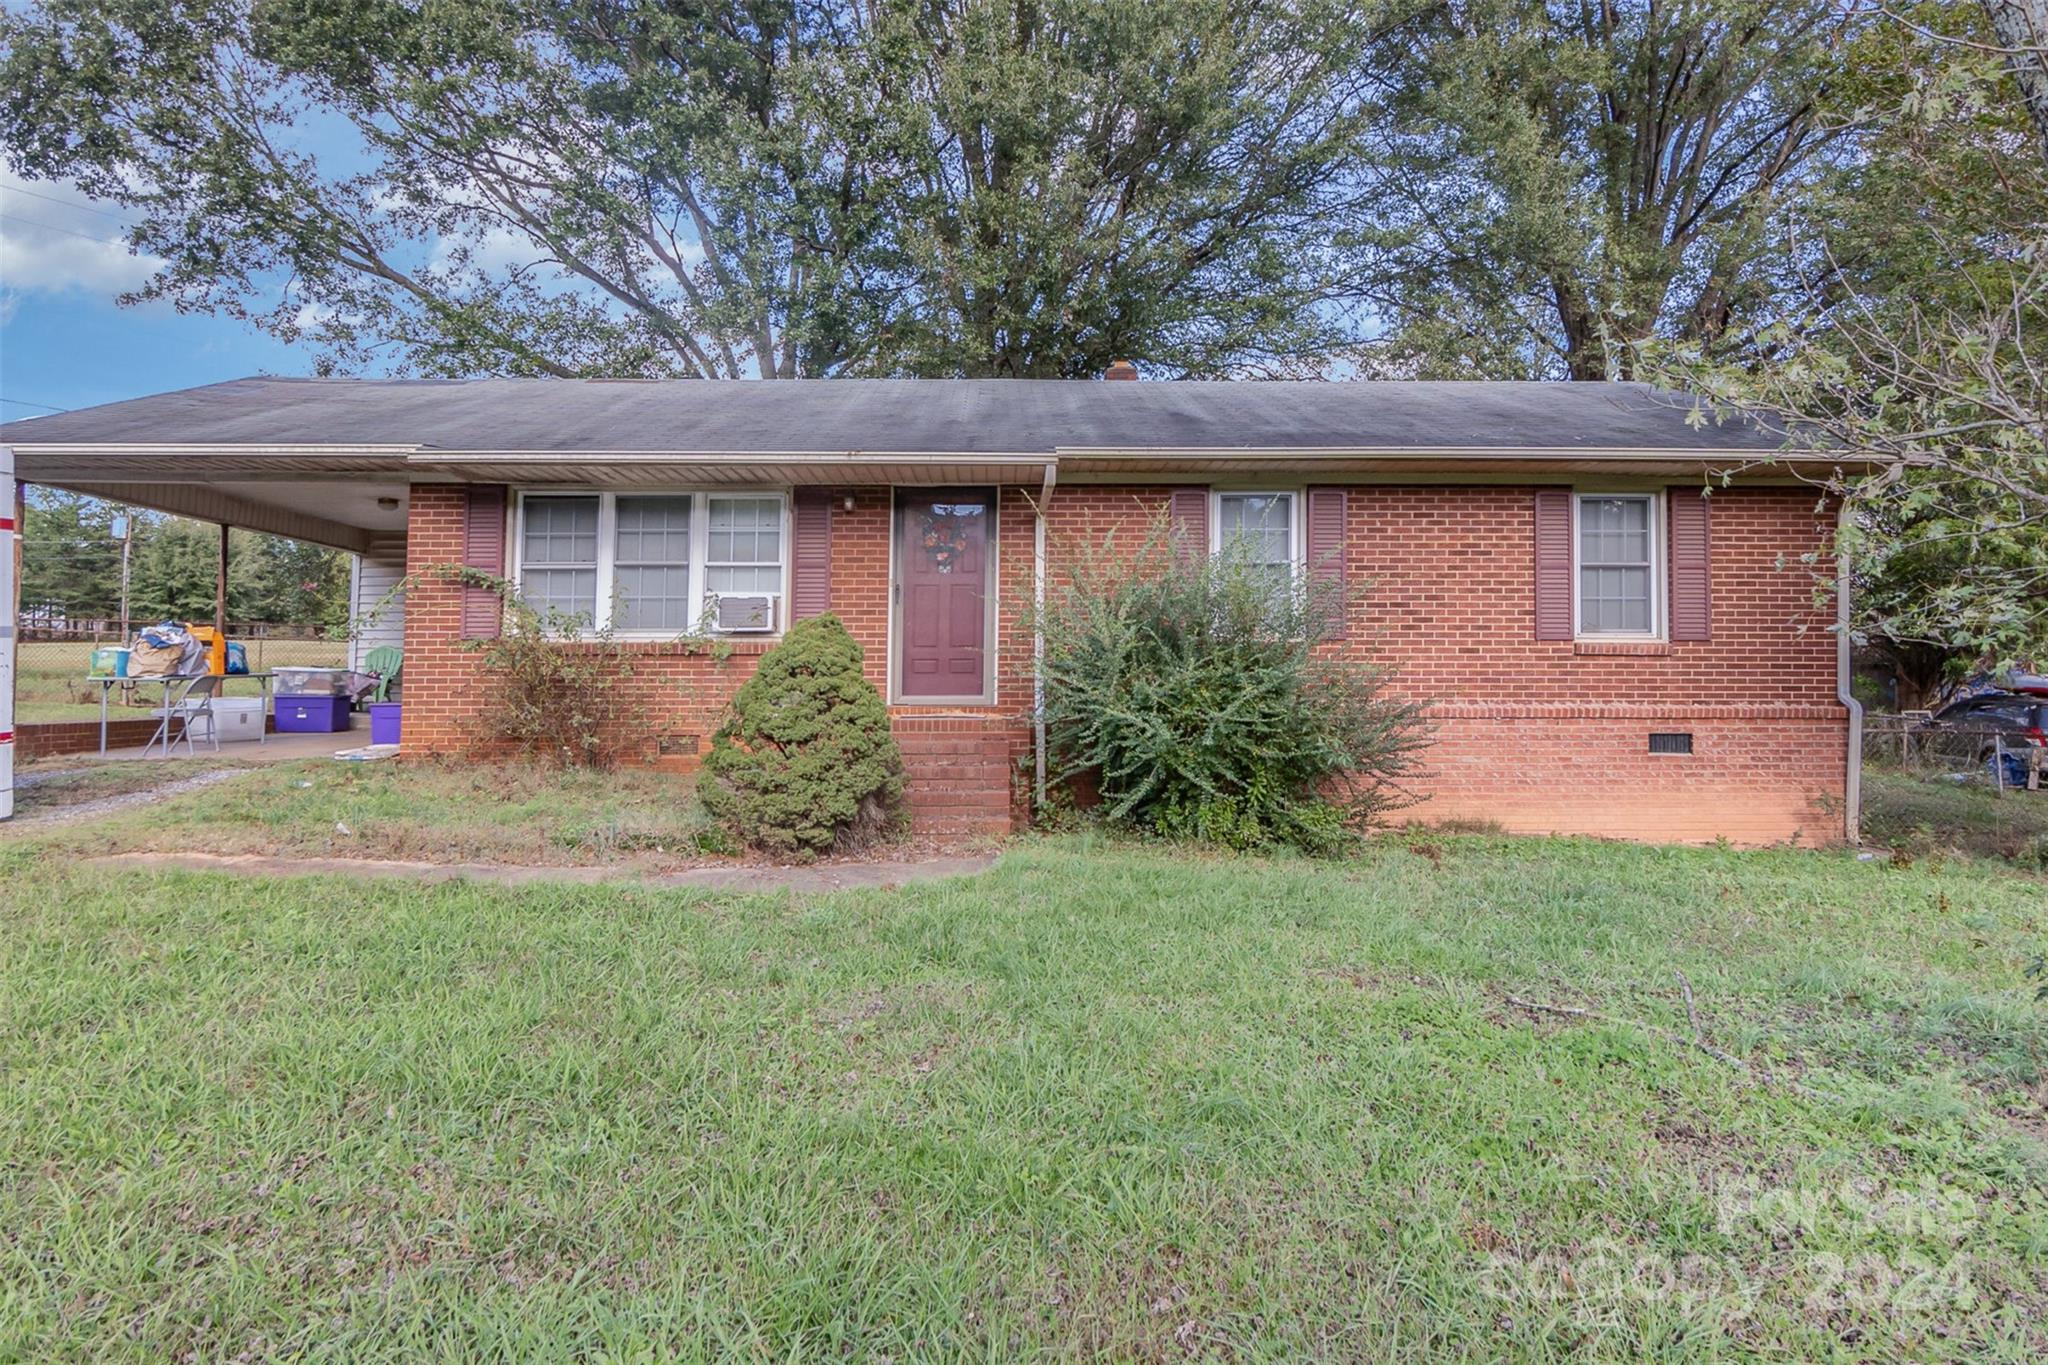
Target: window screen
(744, 549)
(1615, 566)
(651, 575)
(558, 554)
(1261, 525)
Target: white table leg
(105, 688)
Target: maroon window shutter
(1326, 508)
(810, 589)
(1553, 564)
(483, 548)
(1692, 613)
(1189, 511)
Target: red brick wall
(1536, 736)
(1553, 736)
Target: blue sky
(66, 343)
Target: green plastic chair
(385, 661)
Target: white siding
(376, 572)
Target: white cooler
(239, 718)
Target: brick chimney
(1121, 369)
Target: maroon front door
(943, 585)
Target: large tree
(1565, 180)
(1920, 342)
(774, 187)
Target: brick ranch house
(1607, 651)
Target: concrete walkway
(816, 878)
(278, 748)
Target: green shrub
(554, 689)
(1192, 691)
(804, 762)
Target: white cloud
(497, 250)
(54, 239)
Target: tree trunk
(2021, 27)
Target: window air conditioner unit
(744, 613)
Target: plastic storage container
(311, 682)
(216, 648)
(238, 718)
(383, 722)
(312, 715)
(109, 661)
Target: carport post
(220, 587)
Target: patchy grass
(436, 812)
(1099, 1102)
(1931, 815)
(57, 786)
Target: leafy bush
(804, 762)
(555, 690)
(1192, 691)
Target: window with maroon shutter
(1189, 513)
(1553, 564)
(483, 549)
(810, 591)
(1326, 507)
(1692, 614)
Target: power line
(52, 227)
(24, 403)
(65, 203)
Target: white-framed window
(558, 552)
(1617, 569)
(1266, 524)
(649, 564)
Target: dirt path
(828, 877)
(107, 805)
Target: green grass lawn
(441, 812)
(1098, 1102)
(1932, 814)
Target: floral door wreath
(945, 533)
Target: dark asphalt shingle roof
(937, 416)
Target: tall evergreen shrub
(804, 763)
(1196, 693)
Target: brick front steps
(957, 772)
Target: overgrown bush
(1192, 691)
(554, 689)
(804, 762)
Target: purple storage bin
(312, 715)
(383, 722)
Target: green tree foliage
(71, 567)
(804, 763)
(782, 187)
(1192, 691)
(1565, 180)
(70, 561)
(1918, 343)
(269, 578)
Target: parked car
(1973, 727)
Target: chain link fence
(51, 666)
(1915, 744)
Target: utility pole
(124, 529)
